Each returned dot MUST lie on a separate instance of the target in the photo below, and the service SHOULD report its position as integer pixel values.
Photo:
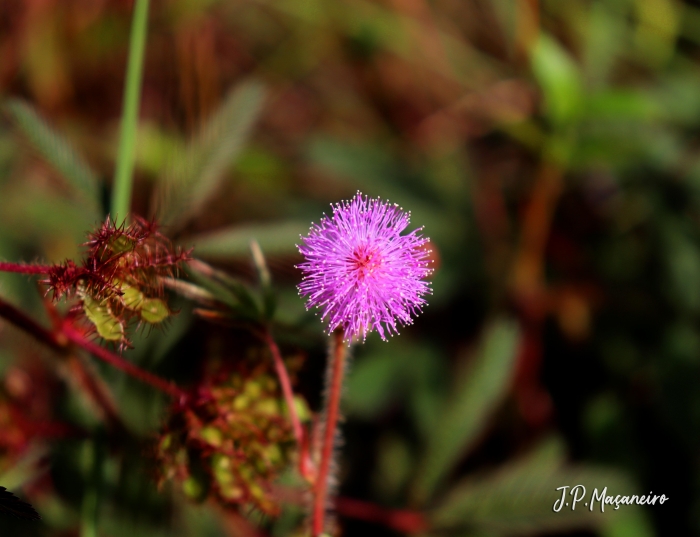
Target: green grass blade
(123, 177)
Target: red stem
(285, 382)
(120, 363)
(335, 368)
(29, 325)
(96, 391)
(403, 521)
(25, 269)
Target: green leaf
(265, 278)
(371, 384)
(605, 36)
(26, 469)
(197, 174)
(276, 238)
(519, 498)
(558, 76)
(622, 104)
(190, 291)
(58, 153)
(226, 289)
(629, 522)
(476, 394)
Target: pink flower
(361, 271)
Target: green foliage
(560, 81)
(518, 498)
(59, 153)
(275, 238)
(475, 395)
(197, 174)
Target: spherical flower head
(361, 271)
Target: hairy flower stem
(120, 363)
(22, 268)
(285, 382)
(335, 369)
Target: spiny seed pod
(232, 443)
(120, 279)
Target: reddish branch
(24, 269)
(286, 384)
(22, 321)
(59, 342)
(336, 368)
(305, 463)
(97, 392)
(120, 363)
(400, 520)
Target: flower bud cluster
(231, 443)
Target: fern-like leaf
(58, 153)
(196, 175)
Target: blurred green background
(551, 150)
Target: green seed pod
(108, 326)
(132, 298)
(154, 310)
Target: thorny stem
(58, 342)
(23, 268)
(120, 363)
(335, 369)
(286, 384)
(29, 325)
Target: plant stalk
(285, 382)
(29, 325)
(120, 363)
(123, 177)
(305, 466)
(335, 369)
(59, 343)
(23, 268)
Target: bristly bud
(120, 279)
(361, 272)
